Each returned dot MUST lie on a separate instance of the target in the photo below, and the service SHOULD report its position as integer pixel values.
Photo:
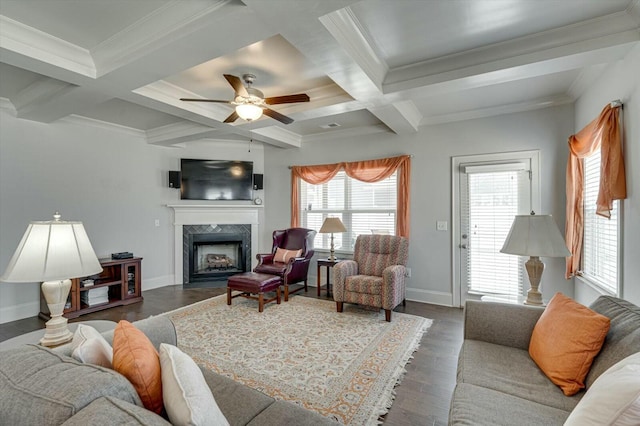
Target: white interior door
(491, 191)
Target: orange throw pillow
(135, 357)
(283, 255)
(565, 340)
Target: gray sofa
(499, 384)
(39, 386)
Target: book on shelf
(95, 296)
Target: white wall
(112, 181)
(620, 80)
(432, 148)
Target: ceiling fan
(250, 103)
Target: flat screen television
(216, 180)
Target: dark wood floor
(421, 399)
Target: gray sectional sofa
(499, 384)
(39, 386)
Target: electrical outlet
(441, 225)
(157, 222)
(408, 273)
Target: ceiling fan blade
(276, 115)
(233, 117)
(237, 85)
(288, 99)
(218, 101)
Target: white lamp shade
(53, 250)
(249, 112)
(535, 235)
(332, 225)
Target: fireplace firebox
(214, 256)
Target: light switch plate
(441, 225)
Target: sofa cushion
(623, 338)
(135, 357)
(614, 398)
(39, 386)
(113, 411)
(565, 340)
(239, 403)
(187, 398)
(475, 405)
(511, 371)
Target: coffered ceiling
(367, 65)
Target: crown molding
(498, 110)
(345, 27)
(177, 133)
(7, 105)
(584, 80)
(86, 121)
(348, 133)
(24, 40)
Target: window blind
(363, 207)
(600, 240)
(491, 201)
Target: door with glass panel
(491, 193)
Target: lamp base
(534, 269)
(56, 332)
(55, 293)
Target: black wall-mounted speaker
(258, 182)
(174, 179)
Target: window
(600, 240)
(364, 208)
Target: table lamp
(52, 252)
(332, 225)
(535, 235)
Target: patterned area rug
(344, 366)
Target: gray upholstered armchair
(376, 275)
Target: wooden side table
(328, 264)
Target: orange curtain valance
(603, 133)
(366, 171)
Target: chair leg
(228, 296)
(286, 292)
(387, 315)
(278, 295)
(339, 306)
(305, 286)
(260, 302)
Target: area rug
(342, 365)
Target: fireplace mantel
(212, 214)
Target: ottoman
(254, 283)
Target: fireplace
(205, 219)
(216, 256)
(214, 252)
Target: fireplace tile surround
(213, 218)
(242, 231)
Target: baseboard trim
(429, 296)
(18, 312)
(157, 282)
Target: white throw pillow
(90, 347)
(613, 399)
(187, 397)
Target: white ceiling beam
(401, 117)
(571, 41)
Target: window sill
(595, 286)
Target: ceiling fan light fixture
(249, 112)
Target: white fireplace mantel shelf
(211, 214)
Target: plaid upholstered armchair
(376, 275)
